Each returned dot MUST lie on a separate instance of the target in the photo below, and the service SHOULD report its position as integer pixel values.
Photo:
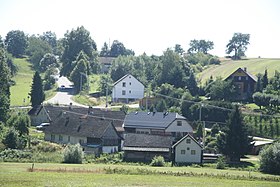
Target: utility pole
(106, 92)
(81, 82)
(203, 134)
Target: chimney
(245, 69)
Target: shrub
(14, 155)
(221, 164)
(44, 146)
(270, 159)
(73, 154)
(158, 161)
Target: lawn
(254, 66)
(17, 174)
(23, 80)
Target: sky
(152, 26)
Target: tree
(161, 106)
(49, 79)
(202, 46)
(48, 61)
(192, 84)
(105, 84)
(105, 52)
(4, 87)
(270, 159)
(236, 142)
(37, 94)
(73, 154)
(16, 43)
(11, 139)
(118, 49)
(264, 79)
(199, 131)
(215, 129)
(259, 84)
(238, 45)
(74, 42)
(36, 50)
(1, 42)
(77, 75)
(50, 38)
(179, 49)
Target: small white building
(187, 150)
(126, 89)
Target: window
(52, 137)
(239, 78)
(192, 152)
(183, 152)
(130, 91)
(68, 138)
(247, 78)
(123, 92)
(179, 123)
(124, 84)
(188, 141)
(60, 138)
(188, 148)
(129, 83)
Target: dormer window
(179, 123)
(124, 84)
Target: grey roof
(77, 125)
(156, 120)
(35, 110)
(147, 141)
(117, 117)
(106, 60)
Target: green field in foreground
(17, 174)
(23, 81)
(254, 66)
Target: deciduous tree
(202, 46)
(16, 42)
(238, 45)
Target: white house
(157, 123)
(126, 89)
(187, 150)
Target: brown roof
(54, 112)
(77, 125)
(246, 72)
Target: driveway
(64, 93)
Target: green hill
(254, 66)
(23, 80)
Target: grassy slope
(254, 66)
(15, 174)
(23, 81)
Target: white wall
(109, 149)
(133, 89)
(73, 139)
(187, 157)
(186, 127)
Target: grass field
(17, 174)
(23, 80)
(254, 66)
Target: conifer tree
(264, 79)
(236, 142)
(37, 94)
(4, 87)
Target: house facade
(157, 123)
(187, 150)
(244, 82)
(93, 134)
(126, 89)
(144, 147)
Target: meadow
(23, 80)
(254, 66)
(19, 174)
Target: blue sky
(151, 26)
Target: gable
(241, 73)
(179, 125)
(187, 140)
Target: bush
(44, 146)
(14, 155)
(73, 154)
(221, 164)
(270, 159)
(158, 161)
